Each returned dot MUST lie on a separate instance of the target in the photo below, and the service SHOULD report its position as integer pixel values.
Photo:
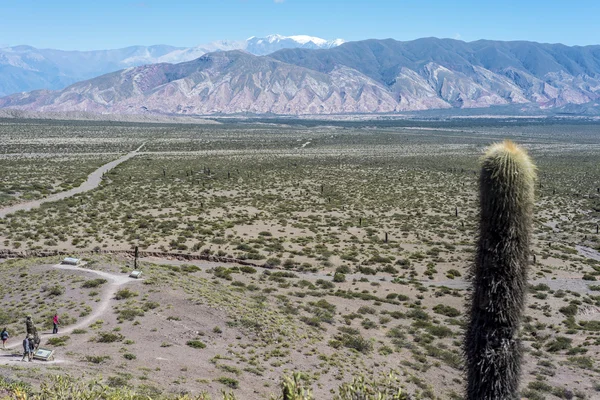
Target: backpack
(4, 335)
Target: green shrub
(150, 305)
(584, 362)
(96, 359)
(439, 331)
(570, 310)
(56, 290)
(93, 283)
(272, 262)
(129, 314)
(189, 268)
(356, 342)
(196, 344)
(124, 294)
(446, 310)
(109, 337)
(58, 341)
(230, 382)
(559, 343)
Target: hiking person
(4, 336)
(32, 330)
(28, 347)
(55, 324)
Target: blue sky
(103, 24)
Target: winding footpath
(92, 182)
(115, 282)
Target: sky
(109, 24)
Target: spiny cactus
(386, 387)
(493, 351)
(293, 389)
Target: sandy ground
(589, 253)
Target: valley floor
(361, 236)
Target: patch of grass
(109, 337)
(229, 382)
(93, 283)
(356, 342)
(124, 294)
(58, 341)
(56, 290)
(446, 310)
(559, 343)
(584, 362)
(196, 344)
(96, 359)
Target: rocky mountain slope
(25, 68)
(372, 76)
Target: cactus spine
(499, 276)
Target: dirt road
(92, 182)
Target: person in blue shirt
(4, 337)
(28, 348)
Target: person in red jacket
(55, 324)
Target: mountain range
(25, 68)
(370, 76)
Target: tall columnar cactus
(493, 351)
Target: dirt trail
(92, 182)
(115, 282)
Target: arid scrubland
(361, 234)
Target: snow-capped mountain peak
(302, 39)
(259, 46)
(271, 43)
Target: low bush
(195, 344)
(109, 337)
(93, 283)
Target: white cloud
(457, 36)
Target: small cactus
(499, 276)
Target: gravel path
(115, 282)
(92, 182)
